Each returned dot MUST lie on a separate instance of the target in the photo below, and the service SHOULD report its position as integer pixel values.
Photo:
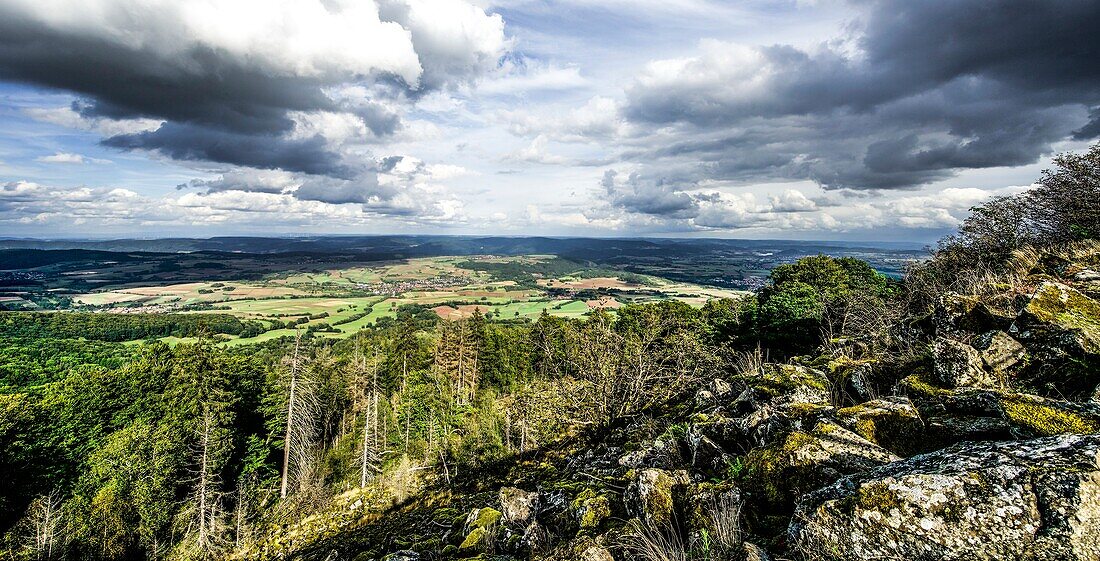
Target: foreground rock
(1033, 500)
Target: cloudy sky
(860, 119)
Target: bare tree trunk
(290, 414)
(46, 524)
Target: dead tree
(366, 395)
(301, 421)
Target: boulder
(591, 509)
(517, 506)
(481, 527)
(956, 364)
(792, 383)
(1059, 316)
(706, 455)
(892, 422)
(805, 461)
(954, 312)
(856, 380)
(651, 495)
(1000, 352)
(975, 414)
(1034, 500)
(957, 313)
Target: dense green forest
(199, 452)
(120, 327)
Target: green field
(441, 284)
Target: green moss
(919, 385)
(877, 496)
(474, 539)
(1047, 420)
(595, 511)
(1068, 309)
(487, 517)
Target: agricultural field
(339, 301)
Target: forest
(196, 451)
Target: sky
(800, 119)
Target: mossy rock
(792, 381)
(1047, 417)
(486, 517)
(651, 495)
(1066, 308)
(893, 423)
(591, 510)
(805, 461)
(477, 538)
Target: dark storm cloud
(202, 87)
(646, 197)
(938, 86)
(217, 110)
(230, 95)
(198, 143)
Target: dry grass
(749, 362)
(720, 541)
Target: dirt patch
(447, 312)
(604, 304)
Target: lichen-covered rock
(651, 495)
(1048, 417)
(591, 509)
(792, 383)
(957, 313)
(892, 422)
(662, 453)
(481, 526)
(1000, 352)
(954, 312)
(957, 364)
(1059, 315)
(1035, 500)
(809, 460)
(953, 416)
(518, 506)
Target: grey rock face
(1036, 500)
(518, 506)
(959, 365)
(1000, 352)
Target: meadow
(335, 302)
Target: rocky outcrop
(1034, 500)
